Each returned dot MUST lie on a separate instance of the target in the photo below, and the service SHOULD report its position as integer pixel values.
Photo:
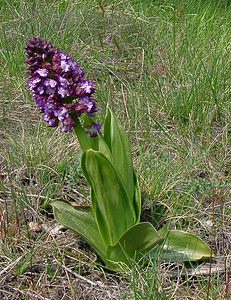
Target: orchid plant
(111, 225)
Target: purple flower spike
(58, 85)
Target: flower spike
(58, 85)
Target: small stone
(208, 224)
(35, 227)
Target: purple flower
(68, 125)
(58, 85)
(85, 88)
(42, 72)
(39, 54)
(94, 129)
(85, 104)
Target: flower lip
(94, 129)
(42, 72)
(50, 83)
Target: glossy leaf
(104, 149)
(139, 239)
(183, 246)
(100, 220)
(81, 221)
(117, 140)
(110, 198)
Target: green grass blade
(137, 198)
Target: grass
(164, 68)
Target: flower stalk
(83, 138)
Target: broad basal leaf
(139, 239)
(117, 140)
(110, 198)
(100, 220)
(80, 220)
(183, 246)
(104, 149)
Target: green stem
(94, 143)
(84, 139)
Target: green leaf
(183, 246)
(117, 140)
(137, 240)
(100, 220)
(24, 264)
(81, 221)
(104, 149)
(109, 197)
